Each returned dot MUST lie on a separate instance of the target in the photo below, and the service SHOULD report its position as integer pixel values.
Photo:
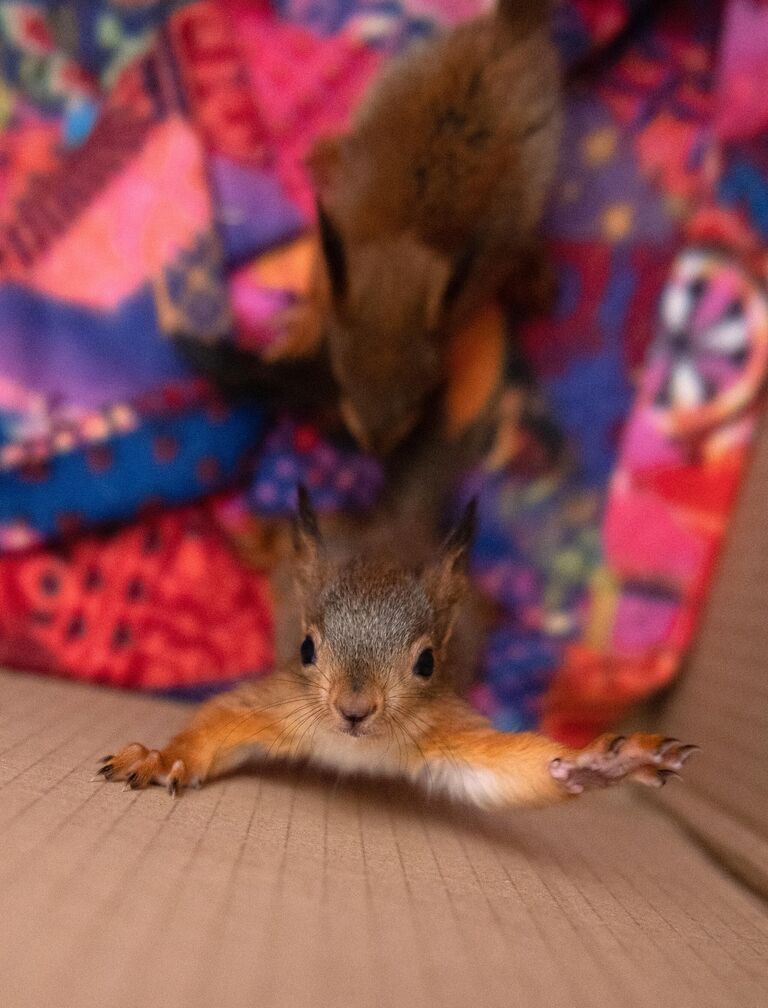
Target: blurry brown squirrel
(428, 211)
(429, 207)
(370, 690)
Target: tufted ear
(334, 255)
(326, 167)
(458, 275)
(446, 580)
(307, 541)
(455, 551)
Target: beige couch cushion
(722, 699)
(291, 889)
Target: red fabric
(160, 603)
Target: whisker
(251, 712)
(383, 758)
(424, 757)
(413, 741)
(253, 736)
(458, 761)
(288, 729)
(400, 760)
(310, 726)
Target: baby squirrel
(429, 207)
(370, 691)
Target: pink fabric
(742, 107)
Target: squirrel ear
(446, 580)
(333, 253)
(439, 280)
(307, 541)
(458, 276)
(458, 544)
(325, 164)
(456, 548)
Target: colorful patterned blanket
(151, 186)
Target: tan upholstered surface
(722, 701)
(291, 890)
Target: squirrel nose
(355, 710)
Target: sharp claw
(106, 759)
(173, 788)
(667, 774)
(106, 771)
(132, 781)
(617, 743)
(686, 751)
(666, 745)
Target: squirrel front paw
(650, 759)
(139, 767)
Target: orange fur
(447, 748)
(371, 691)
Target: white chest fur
(351, 755)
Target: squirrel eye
(307, 651)
(425, 663)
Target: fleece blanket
(152, 186)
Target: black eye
(425, 663)
(307, 651)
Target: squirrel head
(387, 296)
(374, 635)
(386, 306)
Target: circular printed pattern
(711, 353)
